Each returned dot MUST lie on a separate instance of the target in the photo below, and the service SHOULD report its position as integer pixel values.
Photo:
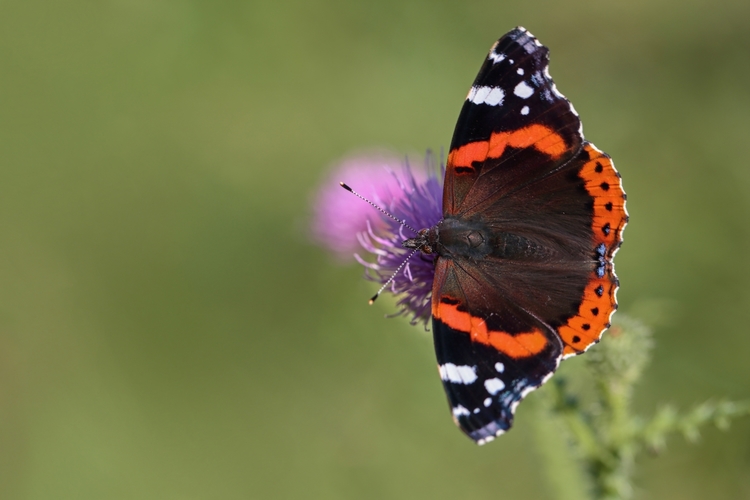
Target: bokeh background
(168, 331)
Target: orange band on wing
(519, 345)
(587, 326)
(604, 186)
(541, 138)
(610, 217)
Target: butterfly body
(532, 217)
(456, 238)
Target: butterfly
(533, 215)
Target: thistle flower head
(344, 222)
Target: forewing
(512, 106)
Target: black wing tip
(519, 38)
(519, 32)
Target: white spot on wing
(519, 71)
(495, 97)
(485, 440)
(492, 96)
(496, 58)
(499, 367)
(487, 402)
(494, 385)
(525, 110)
(481, 94)
(523, 90)
(458, 374)
(459, 411)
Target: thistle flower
(342, 222)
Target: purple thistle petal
(338, 216)
(415, 196)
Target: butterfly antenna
(398, 269)
(402, 222)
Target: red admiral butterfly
(532, 217)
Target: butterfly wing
(490, 351)
(574, 219)
(512, 106)
(555, 209)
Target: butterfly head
(426, 240)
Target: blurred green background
(167, 331)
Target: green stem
(589, 436)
